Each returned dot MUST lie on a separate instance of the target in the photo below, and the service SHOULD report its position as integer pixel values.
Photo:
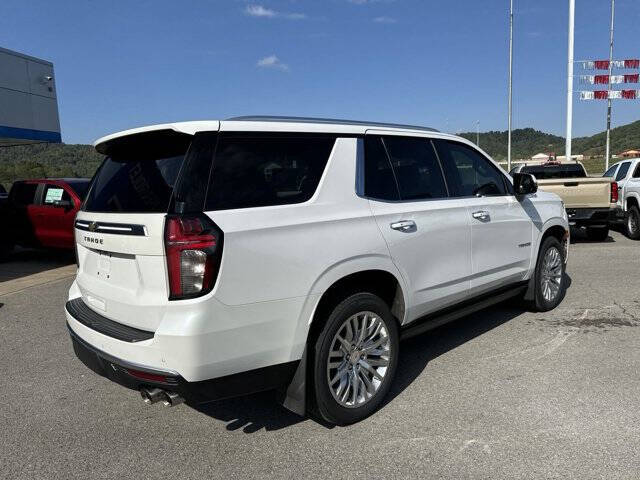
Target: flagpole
(510, 83)
(608, 149)
(572, 9)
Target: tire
(545, 297)
(334, 401)
(598, 234)
(632, 224)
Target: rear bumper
(592, 217)
(135, 376)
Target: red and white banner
(604, 79)
(604, 64)
(605, 95)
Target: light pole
(572, 9)
(608, 149)
(510, 83)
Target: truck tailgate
(580, 192)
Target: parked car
(40, 212)
(627, 174)
(591, 202)
(224, 257)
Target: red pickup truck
(40, 212)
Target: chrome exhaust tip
(171, 399)
(151, 395)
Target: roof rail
(333, 121)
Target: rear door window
(263, 170)
(611, 171)
(416, 168)
(622, 173)
(636, 172)
(468, 172)
(24, 193)
(379, 179)
(139, 173)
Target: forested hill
(64, 160)
(47, 160)
(527, 142)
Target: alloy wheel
(359, 359)
(551, 276)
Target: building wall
(28, 98)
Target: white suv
(220, 258)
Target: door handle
(406, 226)
(481, 215)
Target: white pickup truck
(627, 174)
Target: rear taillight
(194, 249)
(614, 192)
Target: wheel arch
(632, 200)
(376, 274)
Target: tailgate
(122, 266)
(580, 192)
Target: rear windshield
(555, 171)
(138, 174)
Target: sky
(444, 64)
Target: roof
(541, 155)
(65, 180)
(274, 124)
(27, 57)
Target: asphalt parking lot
(502, 394)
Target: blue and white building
(28, 101)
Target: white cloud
(259, 11)
(264, 12)
(385, 20)
(272, 61)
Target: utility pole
(572, 9)
(510, 82)
(478, 133)
(608, 150)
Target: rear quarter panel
(272, 253)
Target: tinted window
(265, 170)
(624, 169)
(54, 194)
(468, 172)
(139, 174)
(610, 172)
(542, 172)
(416, 168)
(23, 193)
(80, 187)
(379, 181)
(636, 172)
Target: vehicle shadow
(251, 413)
(579, 235)
(259, 411)
(22, 262)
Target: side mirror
(524, 183)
